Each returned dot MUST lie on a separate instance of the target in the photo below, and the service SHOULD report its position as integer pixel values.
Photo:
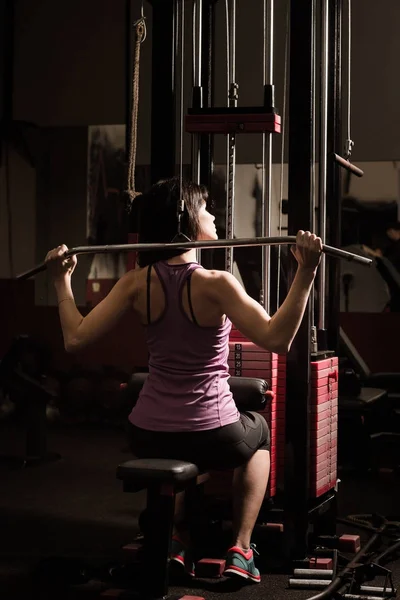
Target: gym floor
(75, 507)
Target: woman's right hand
(59, 266)
(308, 250)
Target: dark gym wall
(375, 80)
(61, 203)
(69, 62)
(70, 73)
(70, 65)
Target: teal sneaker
(241, 564)
(182, 555)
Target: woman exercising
(186, 410)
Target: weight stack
(280, 421)
(248, 360)
(323, 425)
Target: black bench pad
(147, 471)
(364, 401)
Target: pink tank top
(187, 388)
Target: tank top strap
(189, 293)
(148, 297)
(187, 277)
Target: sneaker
(240, 563)
(181, 554)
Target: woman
(185, 409)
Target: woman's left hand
(58, 265)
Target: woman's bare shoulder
(134, 279)
(213, 279)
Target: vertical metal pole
(300, 216)
(266, 187)
(233, 40)
(231, 142)
(182, 90)
(163, 100)
(197, 81)
(323, 157)
(207, 83)
(334, 141)
(196, 158)
(197, 90)
(230, 209)
(199, 43)
(314, 344)
(349, 141)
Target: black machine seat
(387, 381)
(364, 401)
(157, 471)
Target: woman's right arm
(277, 333)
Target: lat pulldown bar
(206, 244)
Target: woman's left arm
(79, 331)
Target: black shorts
(227, 447)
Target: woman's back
(187, 338)
(207, 312)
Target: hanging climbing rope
(140, 36)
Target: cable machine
(301, 509)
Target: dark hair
(154, 216)
(395, 226)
